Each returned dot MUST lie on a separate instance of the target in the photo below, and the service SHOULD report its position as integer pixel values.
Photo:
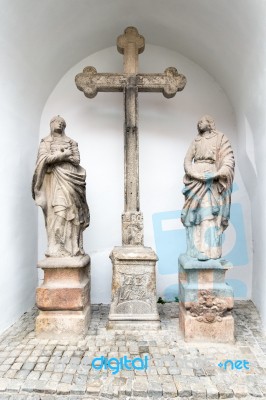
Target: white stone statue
(209, 167)
(58, 187)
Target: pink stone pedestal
(206, 300)
(63, 298)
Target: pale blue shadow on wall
(170, 292)
(170, 242)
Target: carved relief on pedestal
(132, 228)
(134, 290)
(134, 287)
(209, 308)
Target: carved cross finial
(130, 44)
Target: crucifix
(133, 291)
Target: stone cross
(131, 44)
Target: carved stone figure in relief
(209, 172)
(58, 187)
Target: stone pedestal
(134, 303)
(64, 297)
(206, 300)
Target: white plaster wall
(167, 126)
(18, 226)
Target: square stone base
(134, 303)
(206, 300)
(198, 331)
(64, 297)
(63, 324)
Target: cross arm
(168, 83)
(91, 82)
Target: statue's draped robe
(59, 188)
(207, 204)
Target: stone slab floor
(33, 369)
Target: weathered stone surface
(206, 300)
(64, 297)
(133, 293)
(209, 167)
(58, 187)
(132, 228)
(133, 287)
(63, 324)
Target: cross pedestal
(133, 285)
(133, 288)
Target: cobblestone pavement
(33, 369)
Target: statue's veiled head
(57, 124)
(206, 123)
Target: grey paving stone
(70, 369)
(155, 389)
(11, 373)
(225, 392)
(49, 367)
(45, 376)
(3, 384)
(50, 387)
(28, 386)
(4, 367)
(32, 359)
(14, 385)
(94, 388)
(198, 391)
(169, 389)
(17, 366)
(78, 389)
(139, 389)
(56, 377)
(22, 374)
(34, 375)
(183, 389)
(18, 396)
(212, 393)
(106, 390)
(80, 379)
(240, 391)
(40, 367)
(9, 360)
(255, 391)
(4, 396)
(129, 387)
(174, 371)
(67, 378)
(63, 388)
(75, 361)
(162, 371)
